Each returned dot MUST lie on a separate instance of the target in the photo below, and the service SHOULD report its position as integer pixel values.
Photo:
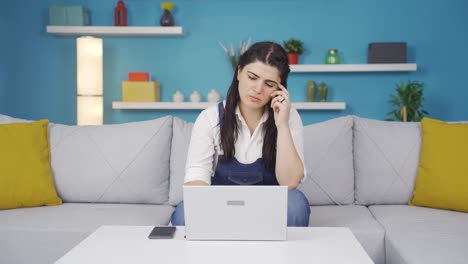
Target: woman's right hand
(281, 104)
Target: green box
(68, 15)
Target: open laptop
(235, 212)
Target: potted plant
(408, 101)
(294, 48)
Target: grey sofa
(360, 174)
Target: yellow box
(141, 92)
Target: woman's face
(257, 81)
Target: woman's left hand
(281, 105)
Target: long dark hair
(269, 53)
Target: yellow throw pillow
(25, 173)
(442, 180)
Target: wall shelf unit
(391, 67)
(114, 31)
(204, 105)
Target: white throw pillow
(328, 157)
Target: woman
(254, 130)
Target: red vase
(120, 14)
(293, 58)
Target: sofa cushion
(84, 217)
(442, 180)
(386, 157)
(4, 119)
(361, 222)
(328, 157)
(49, 232)
(423, 235)
(25, 174)
(124, 163)
(327, 153)
(181, 133)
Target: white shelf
(392, 67)
(160, 105)
(113, 31)
(204, 105)
(319, 105)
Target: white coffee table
(130, 244)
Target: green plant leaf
(294, 46)
(411, 96)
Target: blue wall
(41, 79)
(4, 57)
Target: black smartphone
(162, 232)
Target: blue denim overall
(235, 173)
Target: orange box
(138, 76)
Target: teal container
(68, 15)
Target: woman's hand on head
(281, 104)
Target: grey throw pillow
(181, 133)
(123, 163)
(328, 157)
(386, 158)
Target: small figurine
(213, 96)
(120, 14)
(166, 19)
(178, 97)
(311, 90)
(195, 97)
(323, 91)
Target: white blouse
(205, 147)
